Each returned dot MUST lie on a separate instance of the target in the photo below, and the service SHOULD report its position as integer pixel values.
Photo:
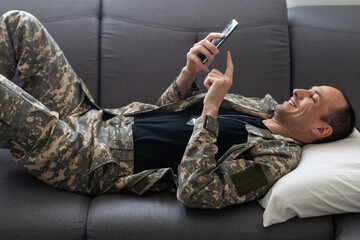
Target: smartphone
(219, 41)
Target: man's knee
(24, 120)
(15, 19)
(17, 15)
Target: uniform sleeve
(243, 176)
(174, 94)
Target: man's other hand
(217, 84)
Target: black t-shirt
(160, 139)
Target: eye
(312, 98)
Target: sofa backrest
(74, 24)
(325, 48)
(144, 45)
(129, 50)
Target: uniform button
(127, 121)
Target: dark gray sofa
(128, 50)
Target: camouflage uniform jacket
(244, 173)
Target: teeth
(291, 103)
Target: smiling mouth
(292, 103)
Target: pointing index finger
(229, 65)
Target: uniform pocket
(118, 152)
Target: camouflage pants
(52, 125)
(40, 121)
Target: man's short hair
(342, 120)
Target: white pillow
(327, 181)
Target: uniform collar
(265, 133)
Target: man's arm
(241, 177)
(245, 175)
(184, 85)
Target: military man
(54, 128)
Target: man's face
(306, 107)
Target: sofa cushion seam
(184, 29)
(85, 207)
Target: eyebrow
(317, 92)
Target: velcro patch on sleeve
(249, 180)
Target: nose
(301, 93)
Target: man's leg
(45, 73)
(56, 151)
(19, 111)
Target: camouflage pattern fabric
(53, 127)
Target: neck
(277, 128)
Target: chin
(280, 109)
(282, 114)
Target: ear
(322, 130)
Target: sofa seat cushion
(32, 210)
(347, 226)
(158, 215)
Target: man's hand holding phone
(203, 48)
(202, 54)
(194, 65)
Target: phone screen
(219, 41)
